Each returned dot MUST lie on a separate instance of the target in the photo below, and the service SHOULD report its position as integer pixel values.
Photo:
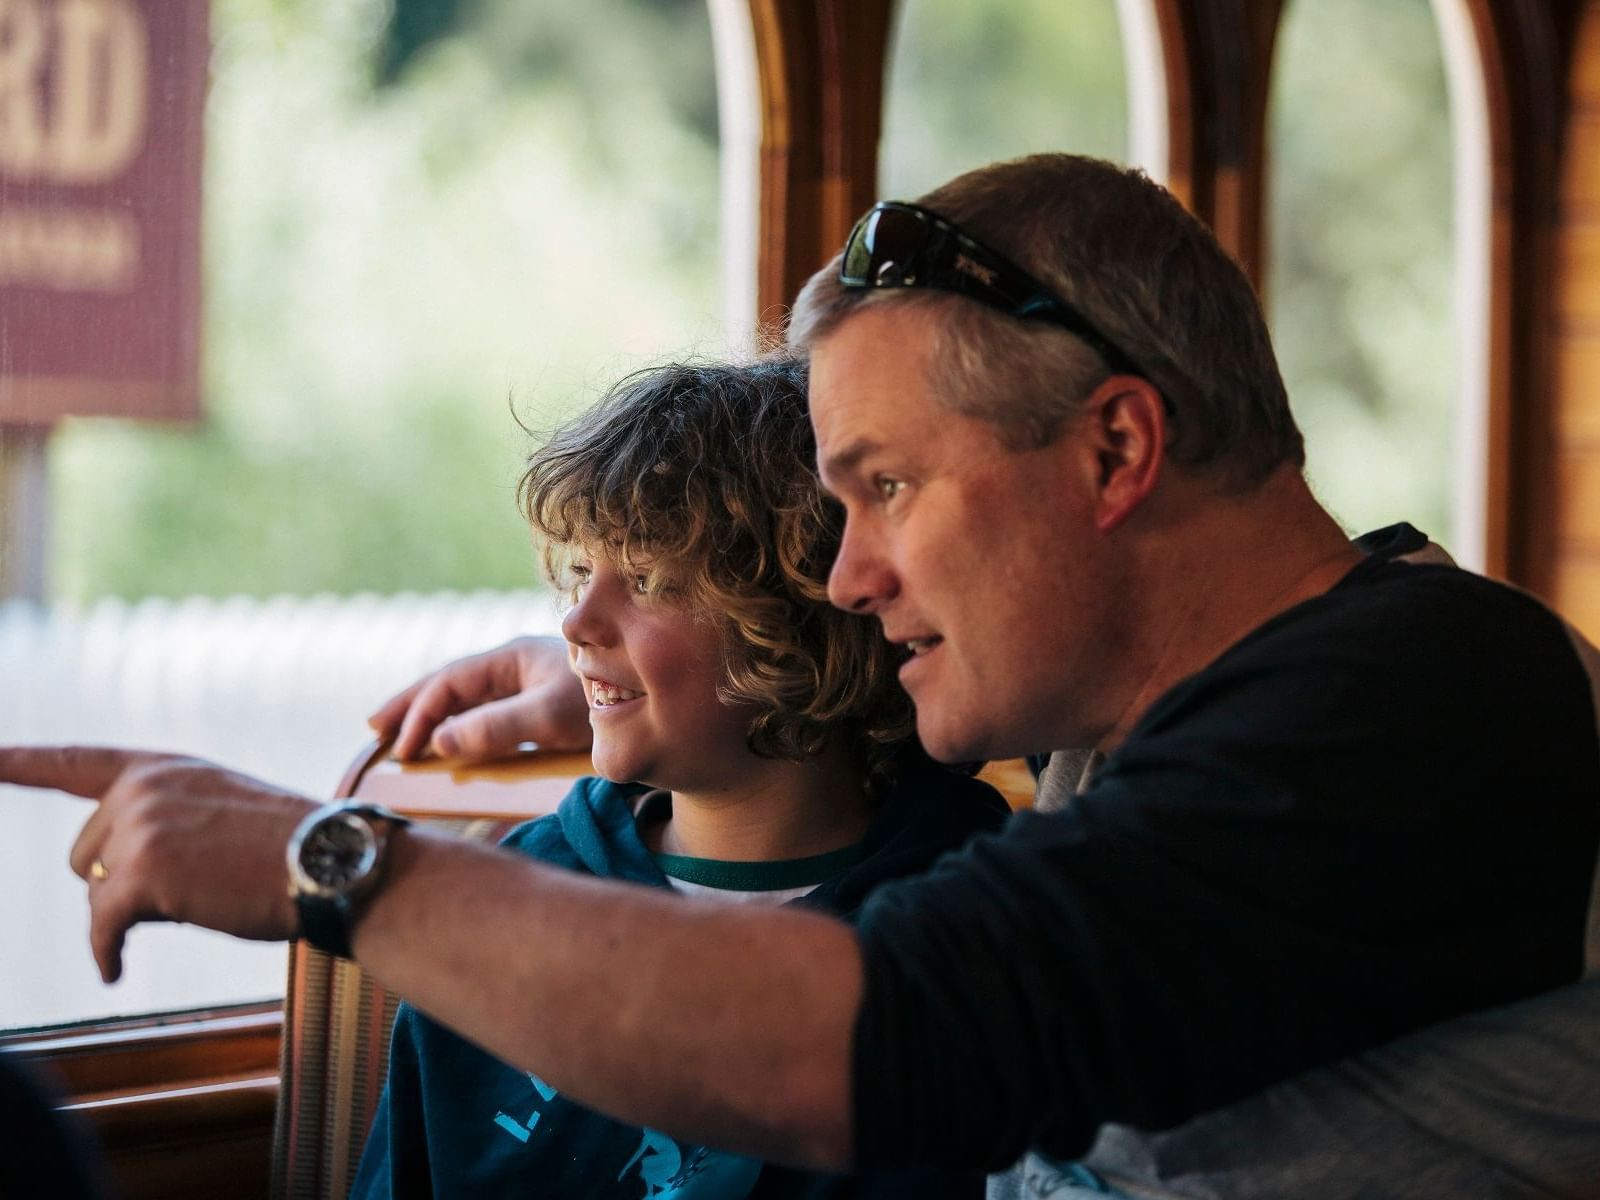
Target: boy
(753, 743)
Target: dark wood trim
(820, 67)
(209, 1141)
(368, 757)
(1503, 246)
(147, 1119)
(854, 39)
(1217, 59)
(791, 152)
(181, 1104)
(174, 1050)
(1526, 49)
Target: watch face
(338, 851)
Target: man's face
(984, 563)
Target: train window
(970, 84)
(423, 222)
(1362, 281)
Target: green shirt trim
(760, 876)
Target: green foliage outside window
(422, 220)
(973, 83)
(392, 271)
(1361, 283)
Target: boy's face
(650, 671)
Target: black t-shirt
(1376, 811)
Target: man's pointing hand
(170, 839)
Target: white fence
(280, 688)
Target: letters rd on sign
(101, 105)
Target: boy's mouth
(604, 695)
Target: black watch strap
(326, 923)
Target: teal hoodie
(455, 1121)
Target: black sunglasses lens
(857, 266)
(884, 248)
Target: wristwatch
(336, 858)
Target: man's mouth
(604, 695)
(910, 648)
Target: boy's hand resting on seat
(485, 706)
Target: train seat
(336, 1018)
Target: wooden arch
(821, 69)
(821, 65)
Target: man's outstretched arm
(710, 1023)
(715, 1023)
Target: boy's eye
(641, 584)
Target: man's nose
(861, 580)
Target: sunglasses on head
(904, 245)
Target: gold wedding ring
(97, 871)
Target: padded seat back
(336, 1017)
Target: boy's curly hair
(701, 477)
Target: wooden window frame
(92, 1060)
(181, 1103)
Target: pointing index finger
(87, 771)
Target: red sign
(101, 105)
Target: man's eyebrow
(846, 460)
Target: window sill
(169, 1051)
(182, 1103)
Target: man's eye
(888, 487)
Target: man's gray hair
(1146, 273)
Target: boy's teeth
(606, 693)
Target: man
(1074, 497)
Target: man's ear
(1125, 424)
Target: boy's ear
(1125, 422)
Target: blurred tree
(1361, 272)
(413, 25)
(972, 83)
(421, 215)
(391, 270)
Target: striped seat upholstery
(336, 1018)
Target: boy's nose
(586, 622)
